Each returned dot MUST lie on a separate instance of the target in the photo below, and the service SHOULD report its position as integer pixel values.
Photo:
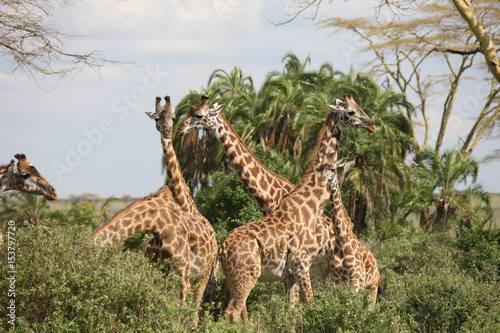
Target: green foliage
(286, 167)
(468, 207)
(431, 282)
(67, 282)
(417, 254)
(226, 203)
(446, 301)
(20, 207)
(86, 213)
(481, 254)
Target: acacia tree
(414, 36)
(32, 43)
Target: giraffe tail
(381, 288)
(212, 284)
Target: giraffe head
(164, 117)
(351, 114)
(201, 117)
(24, 177)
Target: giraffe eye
(351, 113)
(25, 175)
(199, 116)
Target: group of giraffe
(293, 241)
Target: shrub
(417, 253)
(67, 282)
(226, 203)
(446, 302)
(481, 253)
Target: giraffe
(267, 188)
(177, 235)
(355, 264)
(283, 245)
(207, 250)
(24, 177)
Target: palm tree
(449, 170)
(287, 114)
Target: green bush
(481, 253)
(226, 203)
(67, 282)
(442, 301)
(417, 253)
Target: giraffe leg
(202, 284)
(374, 286)
(239, 289)
(292, 291)
(300, 272)
(240, 285)
(244, 312)
(185, 286)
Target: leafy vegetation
(431, 282)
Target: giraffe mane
(132, 206)
(316, 151)
(259, 163)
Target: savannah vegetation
(414, 202)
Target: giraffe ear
(339, 106)
(333, 108)
(215, 108)
(151, 115)
(15, 166)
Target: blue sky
(89, 133)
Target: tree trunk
(425, 220)
(464, 8)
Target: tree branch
(466, 52)
(464, 8)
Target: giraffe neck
(340, 219)
(175, 179)
(130, 220)
(312, 190)
(266, 187)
